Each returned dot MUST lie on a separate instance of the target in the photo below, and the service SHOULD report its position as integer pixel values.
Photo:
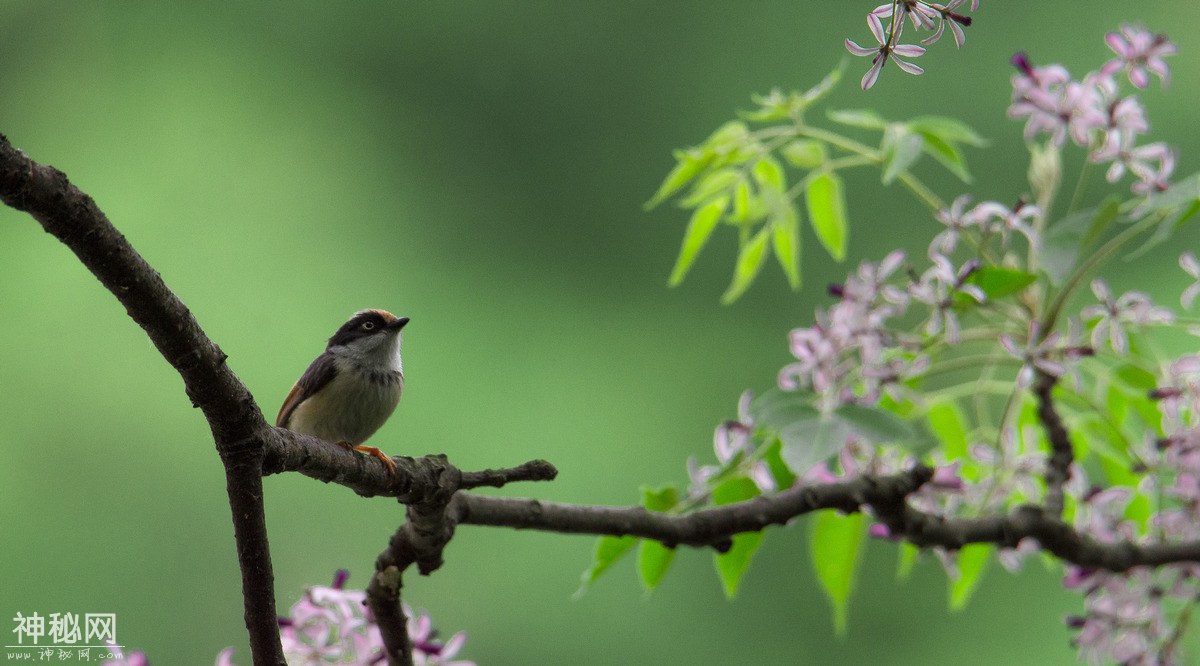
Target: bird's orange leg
(374, 453)
(383, 457)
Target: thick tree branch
(237, 424)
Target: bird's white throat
(377, 352)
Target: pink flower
(1140, 53)
(937, 288)
(957, 222)
(1132, 307)
(136, 658)
(884, 49)
(1036, 353)
(331, 625)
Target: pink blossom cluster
(333, 625)
(1130, 617)
(850, 354)
(1133, 617)
(1093, 114)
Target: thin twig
(1058, 465)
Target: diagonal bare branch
(237, 423)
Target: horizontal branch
(414, 479)
(1055, 536)
(707, 527)
(885, 496)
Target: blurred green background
(480, 167)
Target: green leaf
(827, 212)
(1136, 381)
(1075, 234)
(1093, 435)
(997, 282)
(653, 557)
(609, 549)
(784, 477)
(810, 96)
(972, 560)
(1178, 204)
(704, 221)
(1182, 193)
(807, 436)
(653, 561)
(660, 499)
(749, 263)
(732, 564)
(1165, 229)
(900, 150)
(804, 153)
(785, 238)
(777, 409)
(741, 202)
(947, 154)
(1139, 509)
(713, 184)
(948, 130)
(728, 137)
(908, 559)
(772, 106)
(836, 546)
(949, 425)
(808, 441)
(864, 118)
(733, 490)
(1103, 217)
(769, 174)
(875, 425)
(689, 165)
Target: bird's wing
(318, 374)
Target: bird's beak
(398, 324)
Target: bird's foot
(374, 453)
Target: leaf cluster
(751, 174)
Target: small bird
(351, 389)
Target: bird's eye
(368, 325)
